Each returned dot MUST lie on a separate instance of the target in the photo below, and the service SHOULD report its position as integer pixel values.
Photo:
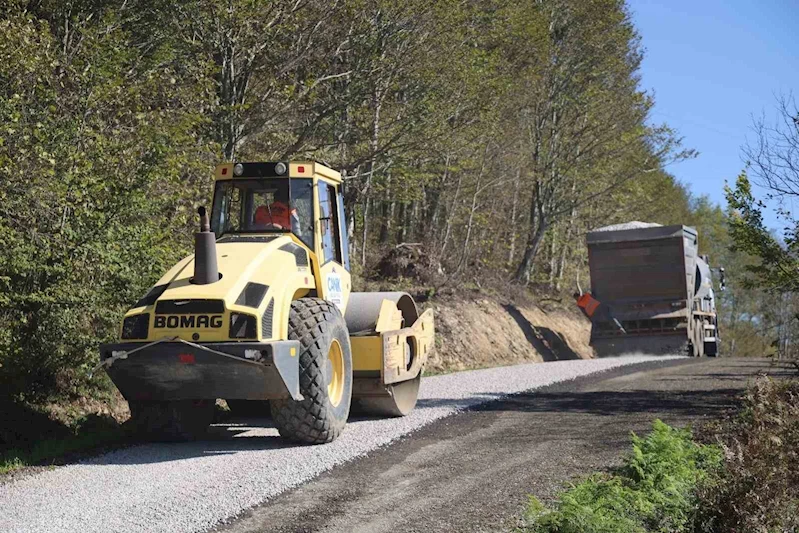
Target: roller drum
(363, 310)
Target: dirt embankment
(487, 331)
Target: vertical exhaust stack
(205, 268)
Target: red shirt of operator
(276, 214)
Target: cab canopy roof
(276, 169)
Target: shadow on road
(459, 403)
(619, 402)
(221, 439)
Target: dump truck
(263, 312)
(656, 286)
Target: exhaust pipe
(205, 268)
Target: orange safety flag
(588, 304)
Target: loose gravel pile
(191, 487)
(629, 225)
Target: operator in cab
(273, 216)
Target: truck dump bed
(646, 275)
(634, 265)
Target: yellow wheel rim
(335, 387)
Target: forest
(487, 135)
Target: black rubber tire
(711, 349)
(249, 408)
(314, 419)
(174, 421)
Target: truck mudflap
(174, 369)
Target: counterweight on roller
(262, 315)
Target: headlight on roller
(242, 326)
(136, 326)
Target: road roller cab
(263, 311)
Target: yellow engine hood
(239, 263)
(278, 262)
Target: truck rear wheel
(325, 374)
(712, 349)
(172, 421)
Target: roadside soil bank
(488, 331)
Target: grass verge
(759, 490)
(47, 442)
(32, 436)
(655, 489)
(738, 475)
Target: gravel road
(473, 472)
(195, 486)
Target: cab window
(329, 223)
(264, 206)
(345, 243)
(302, 203)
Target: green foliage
(86, 434)
(778, 263)
(655, 490)
(96, 144)
(764, 275)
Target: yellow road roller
(263, 312)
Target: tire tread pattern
(312, 420)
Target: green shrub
(96, 157)
(759, 491)
(653, 491)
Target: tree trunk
(470, 223)
(539, 224)
(514, 208)
(469, 226)
(434, 194)
(374, 143)
(526, 266)
(566, 244)
(402, 221)
(387, 212)
(451, 214)
(553, 254)
(365, 230)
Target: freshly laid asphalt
(445, 473)
(474, 471)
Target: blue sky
(712, 65)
